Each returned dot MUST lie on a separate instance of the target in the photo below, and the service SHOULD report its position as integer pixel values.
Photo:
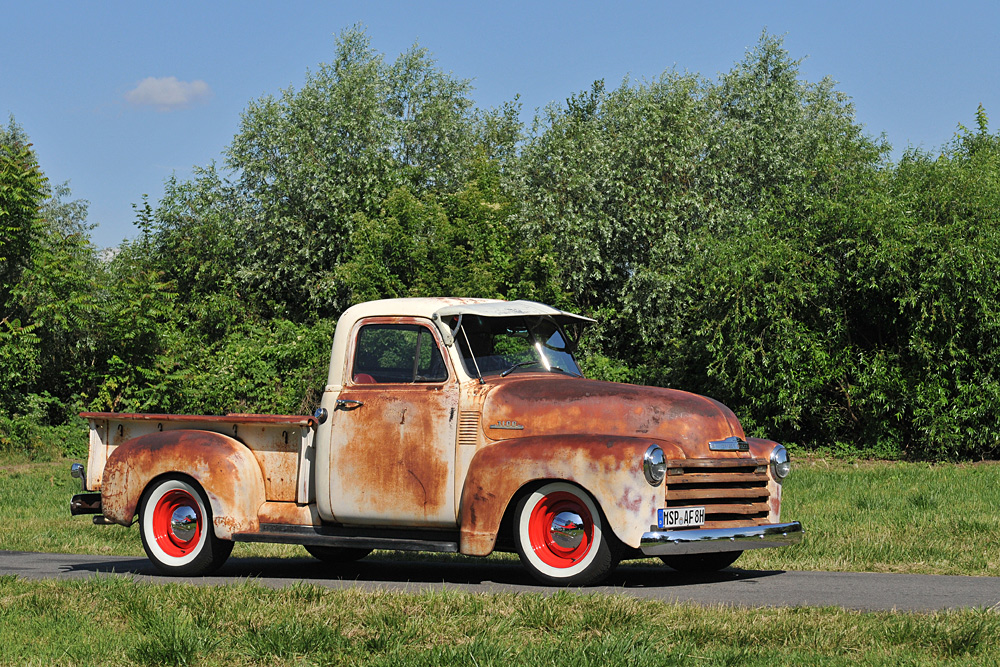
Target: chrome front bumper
(708, 540)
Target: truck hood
(532, 405)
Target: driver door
(394, 434)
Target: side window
(400, 353)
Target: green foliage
(22, 188)
(315, 162)
(19, 363)
(865, 322)
(41, 430)
(136, 317)
(937, 261)
(275, 367)
(439, 244)
(192, 239)
(740, 237)
(56, 293)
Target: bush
(867, 323)
(273, 367)
(37, 435)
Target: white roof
(407, 307)
(506, 309)
(501, 309)
(438, 308)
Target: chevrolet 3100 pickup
(449, 425)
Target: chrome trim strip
(730, 444)
(710, 540)
(507, 425)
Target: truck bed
(282, 444)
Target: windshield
(505, 345)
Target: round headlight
(780, 464)
(654, 465)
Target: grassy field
(886, 517)
(864, 517)
(113, 621)
(891, 517)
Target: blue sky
(117, 96)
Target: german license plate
(681, 517)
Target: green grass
(862, 517)
(889, 517)
(106, 620)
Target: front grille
(733, 491)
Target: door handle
(348, 404)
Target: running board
(326, 536)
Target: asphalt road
(736, 587)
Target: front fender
(224, 467)
(609, 468)
(762, 449)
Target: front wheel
(175, 523)
(702, 563)
(560, 536)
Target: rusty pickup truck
(449, 425)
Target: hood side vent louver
(468, 427)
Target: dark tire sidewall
(702, 563)
(336, 554)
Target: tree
(457, 243)
(313, 161)
(22, 188)
(56, 293)
(754, 315)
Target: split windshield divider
(469, 347)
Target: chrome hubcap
(567, 530)
(184, 523)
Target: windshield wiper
(518, 365)
(550, 367)
(563, 370)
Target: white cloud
(167, 93)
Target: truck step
(352, 537)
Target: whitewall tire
(560, 536)
(175, 522)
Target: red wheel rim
(540, 529)
(164, 529)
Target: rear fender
(609, 468)
(224, 467)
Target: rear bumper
(85, 503)
(709, 540)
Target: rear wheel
(336, 554)
(175, 523)
(702, 563)
(560, 536)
